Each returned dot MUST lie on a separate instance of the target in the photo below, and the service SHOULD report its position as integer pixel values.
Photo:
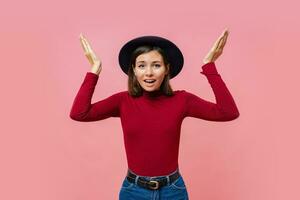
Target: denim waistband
(155, 177)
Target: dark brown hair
(134, 88)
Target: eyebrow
(153, 61)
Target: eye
(157, 65)
(141, 66)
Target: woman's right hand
(91, 56)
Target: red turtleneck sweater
(151, 123)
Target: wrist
(96, 70)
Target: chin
(150, 89)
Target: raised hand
(217, 48)
(90, 54)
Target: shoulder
(184, 94)
(181, 92)
(124, 92)
(119, 95)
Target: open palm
(88, 51)
(217, 48)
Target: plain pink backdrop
(45, 155)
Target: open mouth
(149, 81)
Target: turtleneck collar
(152, 94)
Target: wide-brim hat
(173, 53)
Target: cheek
(162, 76)
(139, 78)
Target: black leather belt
(154, 183)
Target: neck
(154, 93)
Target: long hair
(134, 88)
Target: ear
(133, 69)
(168, 69)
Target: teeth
(149, 81)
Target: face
(150, 70)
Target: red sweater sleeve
(83, 110)
(224, 109)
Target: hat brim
(173, 53)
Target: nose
(148, 71)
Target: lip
(149, 79)
(149, 84)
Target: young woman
(151, 112)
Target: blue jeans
(174, 191)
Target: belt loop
(136, 179)
(168, 178)
(177, 170)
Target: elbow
(229, 115)
(75, 117)
(233, 115)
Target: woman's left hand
(217, 48)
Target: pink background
(47, 156)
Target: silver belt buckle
(154, 187)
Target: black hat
(172, 52)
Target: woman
(151, 112)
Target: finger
(90, 59)
(218, 46)
(224, 40)
(224, 36)
(93, 55)
(83, 44)
(217, 43)
(84, 41)
(86, 51)
(89, 49)
(91, 52)
(88, 45)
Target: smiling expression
(150, 70)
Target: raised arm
(224, 109)
(83, 110)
